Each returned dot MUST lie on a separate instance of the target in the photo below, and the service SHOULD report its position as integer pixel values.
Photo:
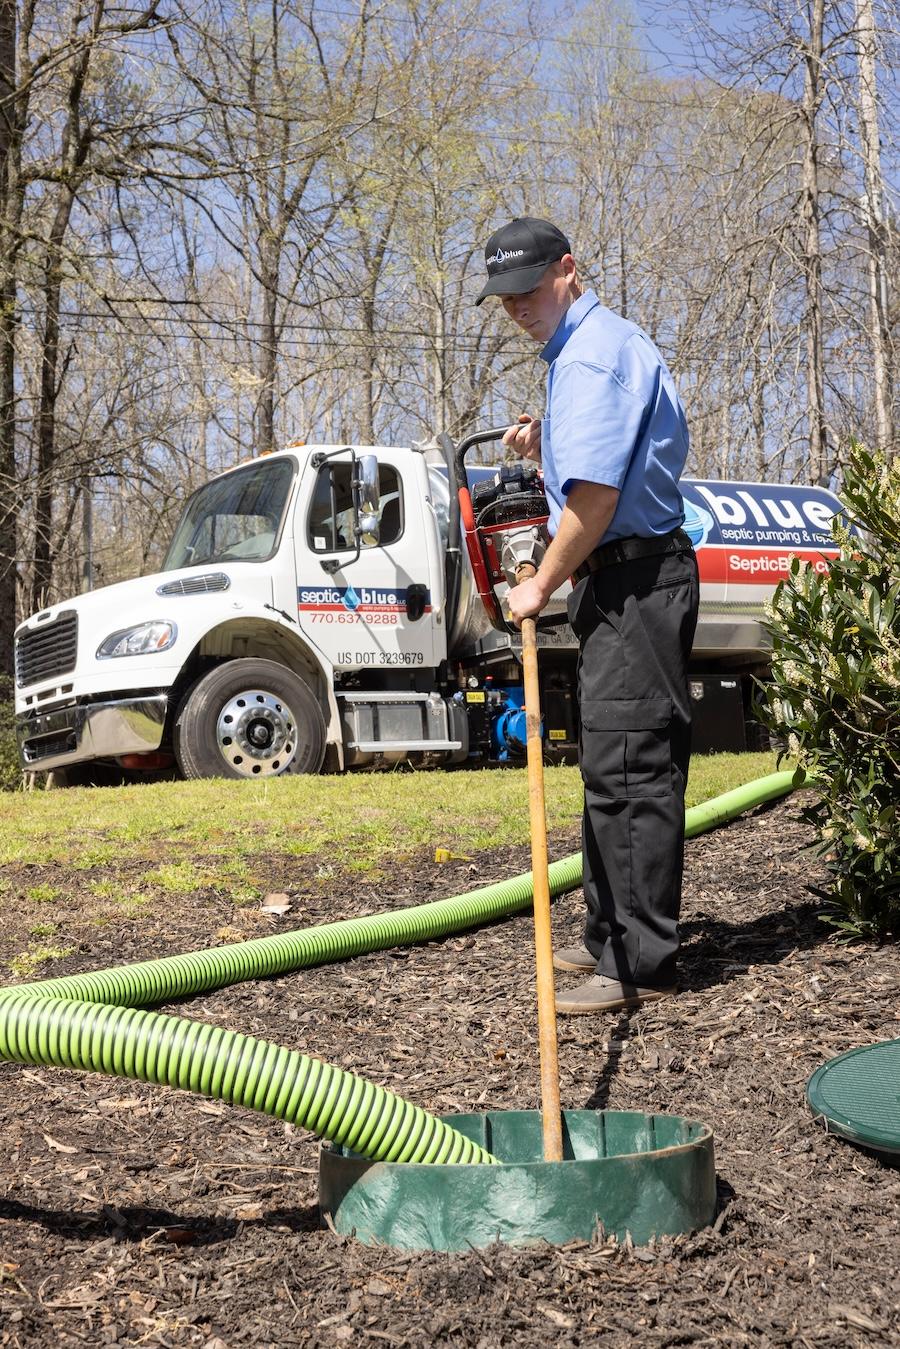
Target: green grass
(26, 963)
(176, 878)
(105, 889)
(42, 894)
(358, 821)
(44, 929)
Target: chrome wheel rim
(257, 734)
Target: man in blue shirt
(612, 446)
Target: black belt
(631, 549)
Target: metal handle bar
(462, 449)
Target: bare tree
(87, 135)
(280, 95)
(10, 213)
(799, 54)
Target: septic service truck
(337, 607)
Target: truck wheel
(249, 719)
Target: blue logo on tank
(697, 523)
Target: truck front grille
(48, 651)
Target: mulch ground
(140, 1216)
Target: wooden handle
(543, 944)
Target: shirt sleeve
(595, 425)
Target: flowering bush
(834, 699)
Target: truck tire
(249, 719)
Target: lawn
(363, 818)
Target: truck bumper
(68, 735)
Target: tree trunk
(87, 532)
(267, 369)
(74, 148)
(374, 267)
(367, 417)
(9, 151)
(440, 351)
(42, 574)
(812, 247)
(879, 331)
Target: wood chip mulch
(132, 1215)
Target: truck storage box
(717, 706)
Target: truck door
(383, 608)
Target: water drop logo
(697, 523)
(351, 599)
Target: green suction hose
(154, 981)
(226, 1066)
(729, 805)
(90, 1021)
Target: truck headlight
(141, 640)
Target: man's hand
(526, 600)
(525, 437)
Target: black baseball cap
(517, 255)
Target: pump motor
(514, 493)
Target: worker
(612, 445)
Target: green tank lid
(858, 1095)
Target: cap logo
(501, 256)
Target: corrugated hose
(92, 1022)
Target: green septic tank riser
(624, 1172)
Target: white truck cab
(230, 655)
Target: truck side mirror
(369, 527)
(367, 498)
(367, 485)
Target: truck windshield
(234, 518)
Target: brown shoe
(602, 994)
(574, 958)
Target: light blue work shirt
(613, 417)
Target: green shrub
(10, 771)
(834, 699)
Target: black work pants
(635, 622)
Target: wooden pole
(543, 944)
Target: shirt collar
(568, 323)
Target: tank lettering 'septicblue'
(356, 599)
(759, 515)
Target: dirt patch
(135, 1215)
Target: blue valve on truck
(508, 732)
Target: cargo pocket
(584, 613)
(581, 610)
(626, 746)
